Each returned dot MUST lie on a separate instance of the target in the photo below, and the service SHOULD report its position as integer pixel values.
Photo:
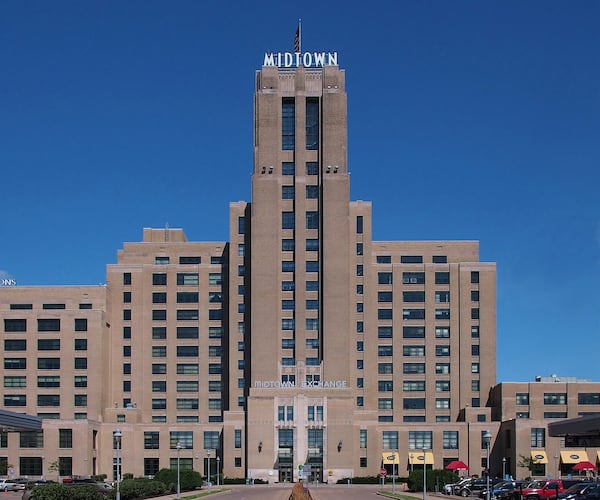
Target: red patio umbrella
(584, 465)
(457, 465)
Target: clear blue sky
(480, 120)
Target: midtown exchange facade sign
(301, 59)
(307, 384)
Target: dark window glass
(48, 344)
(312, 220)
(85, 306)
(127, 278)
(442, 278)
(48, 325)
(80, 344)
(417, 296)
(312, 192)
(288, 192)
(413, 278)
(81, 363)
(188, 314)
(288, 168)
(48, 363)
(413, 332)
(439, 259)
(241, 225)
(384, 313)
(411, 259)
(159, 314)
(126, 314)
(18, 345)
(15, 325)
(312, 123)
(81, 324)
(359, 224)
(474, 276)
(159, 278)
(21, 306)
(190, 260)
(288, 245)
(385, 332)
(312, 245)
(384, 297)
(288, 124)
(159, 298)
(187, 332)
(312, 266)
(187, 297)
(384, 278)
(475, 313)
(384, 259)
(53, 306)
(288, 220)
(312, 168)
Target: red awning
(584, 465)
(457, 465)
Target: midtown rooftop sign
(301, 59)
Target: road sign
(383, 472)
(307, 469)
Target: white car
(11, 485)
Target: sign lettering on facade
(307, 384)
(300, 59)
(8, 282)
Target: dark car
(580, 491)
(501, 490)
(474, 487)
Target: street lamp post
(425, 476)
(411, 463)
(394, 472)
(208, 455)
(556, 465)
(218, 469)
(178, 446)
(117, 435)
(487, 437)
(503, 467)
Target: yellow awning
(539, 456)
(416, 458)
(391, 457)
(598, 453)
(573, 456)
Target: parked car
(475, 486)
(11, 485)
(454, 488)
(581, 491)
(542, 490)
(502, 490)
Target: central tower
(299, 261)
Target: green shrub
(141, 488)
(64, 492)
(189, 479)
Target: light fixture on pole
(411, 463)
(487, 438)
(178, 446)
(556, 465)
(117, 436)
(208, 455)
(503, 467)
(218, 469)
(394, 471)
(425, 476)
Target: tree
(531, 464)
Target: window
(442, 296)
(159, 298)
(450, 440)
(65, 438)
(385, 368)
(312, 220)
(312, 168)
(288, 124)
(522, 398)
(288, 305)
(475, 350)
(187, 332)
(187, 297)
(439, 259)
(474, 332)
(442, 332)
(475, 384)
(413, 385)
(408, 314)
(159, 351)
(159, 315)
(312, 266)
(385, 404)
(442, 403)
(159, 278)
(161, 260)
(48, 400)
(80, 400)
(288, 245)
(17, 381)
(411, 259)
(413, 296)
(186, 369)
(215, 279)
(385, 386)
(287, 192)
(312, 123)
(159, 404)
(442, 314)
(159, 332)
(312, 304)
(475, 313)
(359, 224)
(538, 437)
(474, 367)
(312, 192)
(384, 278)
(187, 278)
(413, 403)
(78, 381)
(288, 220)
(288, 266)
(127, 278)
(288, 324)
(442, 278)
(81, 325)
(385, 350)
(21, 344)
(48, 363)
(474, 276)
(413, 332)
(413, 350)
(237, 438)
(420, 440)
(555, 398)
(442, 386)
(15, 325)
(588, 398)
(187, 351)
(442, 350)
(312, 245)
(442, 368)
(48, 325)
(475, 295)
(417, 278)
(151, 440)
(241, 225)
(80, 363)
(288, 168)
(190, 260)
(15, 363)
(389, 440)
(413, 368)
(188, 314)
(53, 306)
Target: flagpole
(300, 35)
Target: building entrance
(286, 474)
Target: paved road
(282, 492)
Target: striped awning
(417, 458)
(539, 456)
(573, 456)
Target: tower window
(288, 124)
(312, 123)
